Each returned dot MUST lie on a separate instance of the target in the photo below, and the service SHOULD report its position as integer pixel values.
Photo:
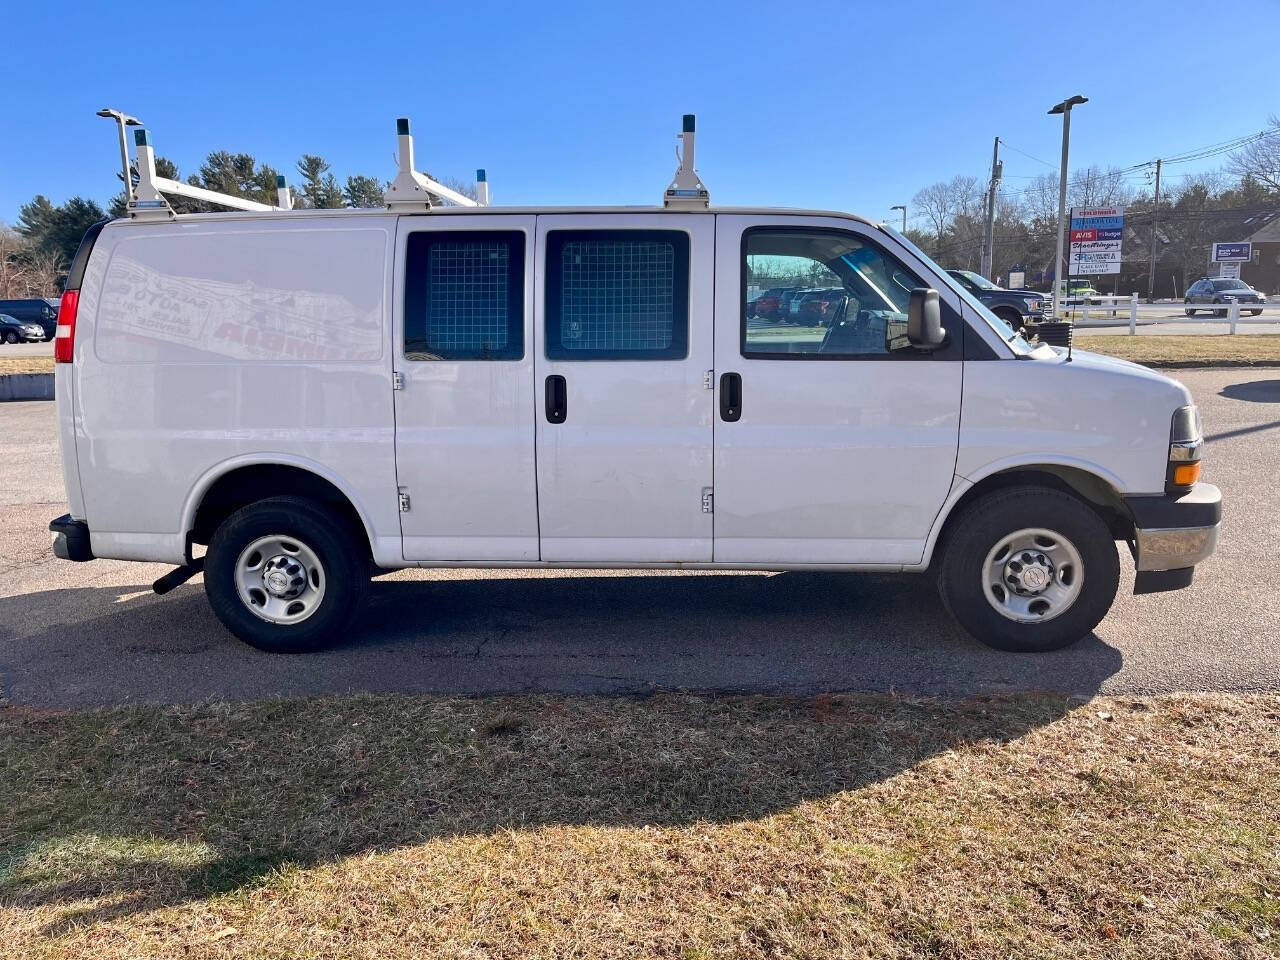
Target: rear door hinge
(709, 380)
(708, 500)
(397, 380)
(404, 500)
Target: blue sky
(848, 105)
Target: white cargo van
(310, 395)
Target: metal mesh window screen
(467, 308)
(617, 295)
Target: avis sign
(1097, 238)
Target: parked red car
(818, 308)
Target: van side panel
(207, 345)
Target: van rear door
(624, 415)
(464, 414)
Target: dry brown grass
(1189, 350)
(679, 826)
(25, 364)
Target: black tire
(328, 535)
(1219, 313)
(976, 532)
(1255, 313)
(10, 337)
(1011, 317)
(1190, 311)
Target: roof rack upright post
(411, 189)
(482, 188)
(687, 188)
(146, 200)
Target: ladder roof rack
(410, 190)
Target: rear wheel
(1029, 569)
(285, 574)
(1255, 313)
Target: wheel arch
(235, 483)
(1092, 487)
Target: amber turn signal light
(1186, 474)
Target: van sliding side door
(464, 424)
(624, 405)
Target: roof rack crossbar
(149, 196)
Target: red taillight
(64, 339)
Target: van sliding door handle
(557, 399)
(730, 397)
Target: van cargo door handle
(730, 397)
(557, 399)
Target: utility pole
(1064, 108)
(988, 231)
(1155, 213)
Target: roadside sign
(1097, 240)
(1232, 252)
(1017, 279)
(1231, 270)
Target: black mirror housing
(924, 319)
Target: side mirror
(924, 319)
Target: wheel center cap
(1035, 578)
(284, 577)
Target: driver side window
(822, 294)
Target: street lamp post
(123, 120)
(1063, 108)
(902, 207)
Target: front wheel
(1029, 569)
(10, 337)
(286, 574)
(1190, 311)
(1255, 313)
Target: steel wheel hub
(1032, 574)
(280, 579)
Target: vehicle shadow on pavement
(792, 633)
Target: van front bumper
(1172, 534)
(70, 539)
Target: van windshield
(1006, 332)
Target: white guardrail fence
(1228, 313)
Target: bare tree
(1260, 160)
(25, 270)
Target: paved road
(44, 349)
(84, 634)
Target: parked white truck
(314, 395)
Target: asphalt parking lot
(89, 634)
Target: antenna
(687, 189)
(411, 188)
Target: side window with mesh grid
(617, 295)
(464, 296)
